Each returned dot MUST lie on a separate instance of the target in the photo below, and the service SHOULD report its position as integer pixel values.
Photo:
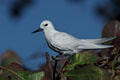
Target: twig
(11, 71)
(55, 66)
(56, 59)
(49, 66)
(115, 51)
(64, 60)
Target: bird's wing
(63, 40)
(66, 41)
(101, 40)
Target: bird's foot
(56, 58)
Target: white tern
(67, 44)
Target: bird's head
(46, 24)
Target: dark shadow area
(18, 7)
(109, 10)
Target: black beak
(38, 30)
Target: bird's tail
(95, 46)
(104, 46)
(101, 40)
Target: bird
(67, 44)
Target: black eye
(46, 25)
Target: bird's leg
(56, 59)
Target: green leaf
(86, 73)
(3, 78)
(81, 59)
(23, 76)
(6, 74)
(31, 76)
(117, 77)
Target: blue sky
(78, 19)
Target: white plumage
(66, 43)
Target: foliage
(81, 59)
(89, 72)
(12, 69)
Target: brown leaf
(11, 60)
(111, 29)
